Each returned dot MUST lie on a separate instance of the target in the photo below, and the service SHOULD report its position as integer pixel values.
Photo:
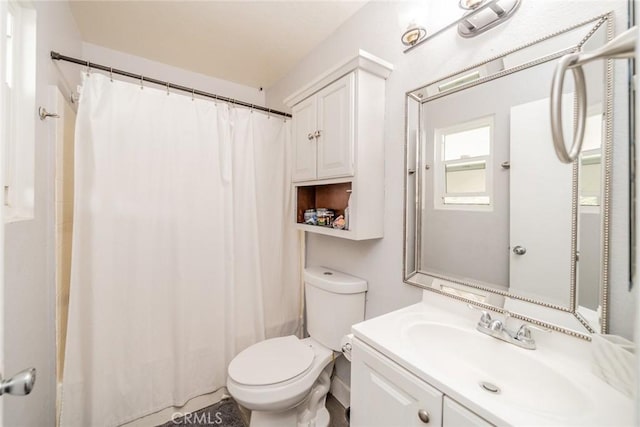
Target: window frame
(18, 106)
(585, 207)
(440, 166)
(8, 147)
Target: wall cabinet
(338, 140)
(385, 394)
(323, 134)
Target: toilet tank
(334, 302)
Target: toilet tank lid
(334, 281)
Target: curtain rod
(59, 57)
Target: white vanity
(425, 365)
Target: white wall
(29, 271)
(160, 71)
(376, 28)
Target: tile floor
(337, 413)
(227, 413)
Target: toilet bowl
(275, 376)
(284, 381)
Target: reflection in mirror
(489, 208)
(590, 219)
(476, 216)
(412, 131)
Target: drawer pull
(424, 416)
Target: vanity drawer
(385, 395)
(456, 415)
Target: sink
(467, 356)
(437, 342)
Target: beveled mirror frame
(422, 279)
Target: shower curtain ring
(141, 82)
(167, 88)
(193, 94)
(111, 74)
(269, 113)
(88, 69)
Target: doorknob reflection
(519, 250)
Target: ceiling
(249, 42)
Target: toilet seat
(284, 395)
(272, 361)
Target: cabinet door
(304, 144)
(383, 394)
(336, 123)
(456, 415)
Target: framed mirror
(491, 216)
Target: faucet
(498, 329)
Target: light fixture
(471, 4)
(460, 81)
(483, 15)
(479, 16)
(413, 34)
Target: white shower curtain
(183, 252)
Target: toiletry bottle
(347, 212)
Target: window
(8, 82)
(9, 33)
(18, 110)
(590, 176)
(591, 163)
(463, 177)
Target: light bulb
(471, 4)
(413, 34)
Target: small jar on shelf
(310, 217)
(322, 216)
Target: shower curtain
(183, 252)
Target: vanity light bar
(497, 12)
(459, 81)
(467, 166)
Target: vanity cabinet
(384, 394)
(456, 415)
(338, 146)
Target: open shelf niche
(329, 196)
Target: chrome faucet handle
(485, 318)
(525, 329)
(523, 337)
(524, 334)
(496, 325)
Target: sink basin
(468, 356)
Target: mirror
(492, 217)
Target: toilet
(284, 381)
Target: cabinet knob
(424, 416)
(519, 250)
(310, 136)
(317, 134)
